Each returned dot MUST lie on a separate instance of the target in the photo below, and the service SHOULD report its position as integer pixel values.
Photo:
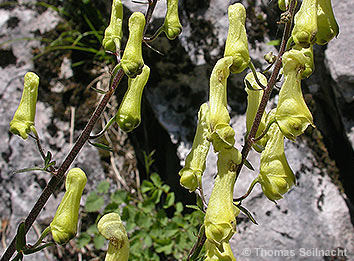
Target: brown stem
(56, 179)
(152, 4)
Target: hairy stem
(57, 178)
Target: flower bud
(128, 116)
(292, 114)
(113, 33)
(236, 42)
(305, 27)
(327, 24)
(218, 253)
(275, 177)
(220, 217)
(191, 174)
(23, 120)
(283, 4)
(64, 224)
(172, 25)
(253, 100)
(132, 60)
(111, 227)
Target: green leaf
(100, 146)
(274, 42)
(119, 197)
(20, 237)
(83, 239)
(179, 207)
(156, 196)
(146, 186)
(170, 200)
(156, 179)
(103, 187)
(93, 202)
(99, 241)
(111, 207)
(48, 158)
(247, 213)
(166, 249)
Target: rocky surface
(314, 216)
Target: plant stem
(266, 95)
(57, 178)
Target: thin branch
(56, 179)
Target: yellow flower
(220, 217)
(64, 224)
(304, 57)
(327, 24)
(113, 33)
(275, 177)
(191, 174)
(292, 114)
(305, 27)
(111, 227)
(23, 120)
(236, 42)
(172, 26)
(128, 116)
(253, 100)
(132, 60)
(218, 253)
(222, 135)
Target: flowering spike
(132, 60)
(236, 42)
(220, 217)
(305, 28)
(64, 224)
(253, 100)
(191, 174)
(128, 116)
(172, 26)
(276, 177)
(113, 33)
(23, 120)
(292, 114)
(327, 24)
(111, 227)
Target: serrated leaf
(20, 237)
(119, 197)
(103, 187)
(170, 200)
(93, 202)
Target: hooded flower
(305, 59)
(113, 33)
(172, 26)
(132, 60)
(220, 217)
(236, 42)
(191, 174)
(111, 227)
(253, 100)
(64, 224)
(292, 114)
(327, 24)
(23, 120)
(222, 135)
(275, 177)
(218, 253)
(128, 115)
(305, 27)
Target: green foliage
(156, 225)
